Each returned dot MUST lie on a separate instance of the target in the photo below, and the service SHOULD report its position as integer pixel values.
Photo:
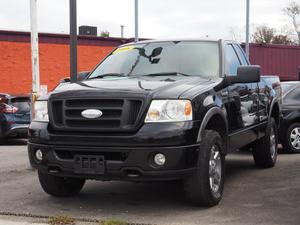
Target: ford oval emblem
(91, 113)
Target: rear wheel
(60, 186)
(292, 139)
(205, 186)
(265, 149)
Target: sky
(157, 18)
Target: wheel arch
(275, 112)
(295, 120)
(291, 118)
(215, 119)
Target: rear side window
(274, 82)
(23, 104)
(231, 59)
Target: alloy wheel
(215, 170)
(295, 138)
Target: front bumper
(17, 131)
(122, 163)
(126, 156)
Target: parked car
(156, 110)
(290, 126)
(14, 116)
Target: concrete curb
(8, 222)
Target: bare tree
(289, 32)
(282, 39)
(293, 11)
(263, 34)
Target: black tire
(265, 149)
(198, 188)
(60, 186)
(287, 143)
(2, 141)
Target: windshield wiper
(108, 75)
(166, 74)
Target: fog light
(39, 155)
(160, 159)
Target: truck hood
(157, 87)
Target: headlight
(40, 111)
(169, 111)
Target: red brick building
(15, 58)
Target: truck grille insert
(117, 114)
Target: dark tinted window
(231, 60)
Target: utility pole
(73, 40)
(34, 50)
(136, 19)
(122, 31)
(247, 27)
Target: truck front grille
(120, 114)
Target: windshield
(184, 57)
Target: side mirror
(246, 74)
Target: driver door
(242, 101)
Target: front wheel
(291, 143)
(265, 149)
(60, 186)
(205, 186)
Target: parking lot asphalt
(251, 196)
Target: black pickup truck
(157, 110)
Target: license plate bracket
(89, 164)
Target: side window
(232, 61)
(241, 54)
(294, 95)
